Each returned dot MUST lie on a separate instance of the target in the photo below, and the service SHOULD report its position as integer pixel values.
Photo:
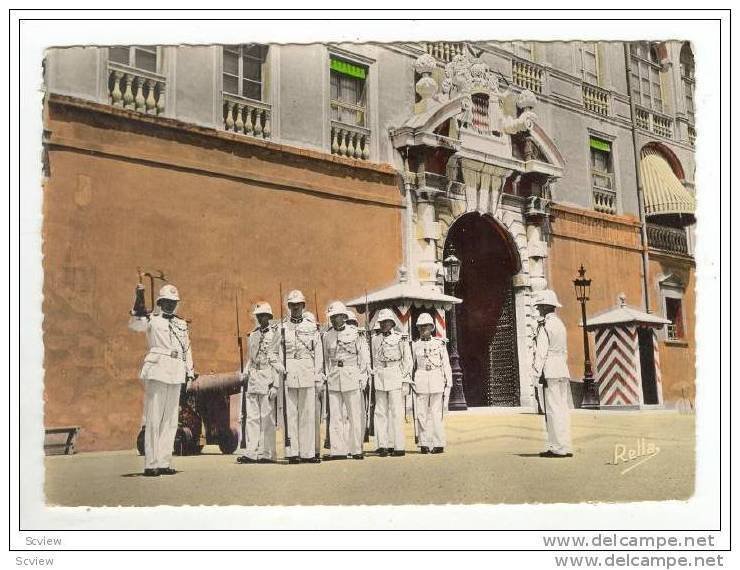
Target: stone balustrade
(350, 141)
(247, 117)
(604, 200)
(595, 99)
(136, 89)
(656, 123)
(444, 51)
(667, 238)
(527, 75)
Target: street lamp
(590, 390)
(451, 265)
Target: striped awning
(664, 193)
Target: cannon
(209, 415)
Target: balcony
(136, 89)
(527, 75)
(247, 116)
(350, 141)
(443, 51)
(603, 193)
(668, 239)
(595, 99)
(656, 123)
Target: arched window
(646, 88)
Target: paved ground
(491, 458)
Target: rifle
(286, 437)
(327, 437)
(370, 397)
(413, 399)
(245, 382)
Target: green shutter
(346, 68)
(598, 144)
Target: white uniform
(304, 363)
(551, 359)
(432, 381)
(165, 368)
(347, 356)
(392, 361)
(263, 369)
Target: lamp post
(451, 265)
(590, 390)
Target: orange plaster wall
(105, 214)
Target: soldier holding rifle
(392, 377)
(262, 378)
(304, 378)
(432, 382)
(347, 359)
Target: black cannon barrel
(222, 382)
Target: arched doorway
(486, 319)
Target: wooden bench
(60, 441)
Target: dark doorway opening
(647, 366)
(486, 319)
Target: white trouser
(346, 432)
(162, 407)
(319, 414)
(389, 420)
(301, 413)
(429, 419)
(558, 415)
(260, 440)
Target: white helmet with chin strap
(169, 292)
(425, 319)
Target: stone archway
(486, 320)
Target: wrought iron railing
(667, 238)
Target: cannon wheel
(183, 442)
(228, 440)
(140, 440)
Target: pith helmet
(262, 309)
(424, 319)
(351, 315)
(169, 292)
(337, 308)
(295, 296)
(547, 297)
(386, 315)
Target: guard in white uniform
(347, 356)
(432, 383)
(551, 365)
(262, 374)
(167, 366)
(319, 414)
(303, 380)
(392, 378)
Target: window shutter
(598, 144)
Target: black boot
(358, 456)
(382, 452)
(438, 450)
(311, 460)
(151, 472)
(244, 459)
(167, 471)
(294, 460)
(398, 453)
(424, 449)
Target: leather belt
(347, 362)
(389, 363)
(262, 366)
(165, 352)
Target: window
(687, 79)
(140, 57)
(674, 313)
(348, 83)
(602, 176)
(242, 70)
(587, 62)
(646, 76)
